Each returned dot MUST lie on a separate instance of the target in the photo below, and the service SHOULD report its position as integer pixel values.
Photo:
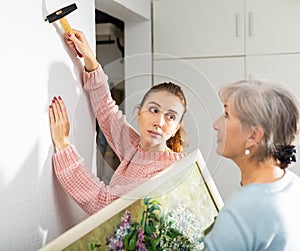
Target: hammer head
(61, 13)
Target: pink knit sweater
(136, 165)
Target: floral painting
(174, 211)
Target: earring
(247, 152)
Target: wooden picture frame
(183, 194)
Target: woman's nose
(160, 120)
(215, 125)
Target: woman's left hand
(59, 123)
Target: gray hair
(269, 106)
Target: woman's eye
(153, 109)
(226, 115)
(171, 116)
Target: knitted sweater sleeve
(120, 135)
(86, 190)
(84, 187)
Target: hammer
(60, 15)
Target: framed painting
(171, 211)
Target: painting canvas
(171, 211)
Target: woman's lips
(154, 133)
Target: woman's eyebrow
(158, 105)
(154, 103)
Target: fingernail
(55, 98)
(50, 106)
(69, 35)
(59, 97)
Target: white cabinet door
(272, 26)
(200, 80)
(197, 28)
(278, 68)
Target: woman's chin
(220, 151)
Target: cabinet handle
(251, 23)
(238, 24)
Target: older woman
(256, 131)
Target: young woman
(256, 131)
(142, 156)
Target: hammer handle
(67, 28)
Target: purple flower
(116, 242)
(140, 241)
(153, 235)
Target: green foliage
(94, 246)
(154, 233)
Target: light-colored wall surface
(36, 65)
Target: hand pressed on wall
(59, 123)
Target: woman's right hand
(59, 123)
(79, 41)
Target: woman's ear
(138, 111)
(255, 135)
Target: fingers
(57, 110)
(70, 43)
(51, 116)
(78, 34)
(74, 37)
(59, 123)
(69, 40)
(63, 109)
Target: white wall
(36, 65)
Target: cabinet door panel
(272, 26)
(278, 68)
(194, 28)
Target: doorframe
(138, 70)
